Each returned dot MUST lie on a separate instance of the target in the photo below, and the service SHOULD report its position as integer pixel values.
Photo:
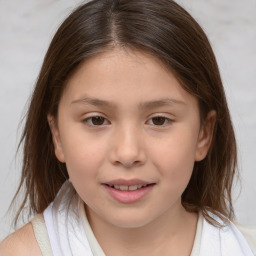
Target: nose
(127, 147)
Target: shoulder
(22, 242)
(235, 233)
(249, 233)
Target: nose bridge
(128, 148)
(129, 135)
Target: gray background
(26, 28)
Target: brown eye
(160, 121)
(95, 121)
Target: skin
(128, 143)
(22, 243)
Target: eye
(160, 121)
(95, 121)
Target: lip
(129, 196)
(127, 182)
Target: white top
(63, 230)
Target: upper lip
(127, 182)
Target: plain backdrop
(26, 28)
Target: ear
(56, 138)
(205, 136)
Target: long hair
(168, 32)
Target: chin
(125, 221)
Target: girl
(128, 144)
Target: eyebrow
(142, 105)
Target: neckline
(94, 245)
(98, 251)
(197, 241)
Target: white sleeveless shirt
(63, 230)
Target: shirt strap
(41, 235)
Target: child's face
(148, 133)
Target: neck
(173, 231)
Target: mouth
(128, 191)
(130, 187)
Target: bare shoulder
(22, 242)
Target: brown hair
(163, 29)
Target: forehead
(115, 63)
(124, 76)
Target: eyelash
(160, 116)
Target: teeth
(134, 187)
(123, 187)
(130, 188)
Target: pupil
(97, 120)
(158, 120)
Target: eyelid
(85, 120)
(170, 120)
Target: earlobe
(56, 139)
(205, 136)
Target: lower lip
(128, 197)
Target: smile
(128, 192)
(128, 188)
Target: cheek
(83, 163)
(83, 156)
(174, 157)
